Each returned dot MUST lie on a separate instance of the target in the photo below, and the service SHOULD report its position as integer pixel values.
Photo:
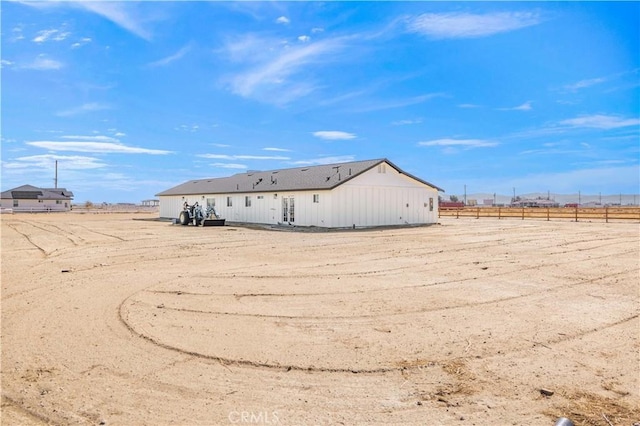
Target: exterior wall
(379, 197)
(382, 197)
(266, 207)
(36, 205)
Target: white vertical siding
(371, 199)
(378, 199)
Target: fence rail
(573, 213)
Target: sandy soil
(111, 320)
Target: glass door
(288, 209)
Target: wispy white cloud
(524, 107)
(43, 35)
(229, 165)
(97, 138)
(42, 63)
(304, 38)
(5, 63)
(267, 67)
(282, 20)
(16, 34)
(468, 106)
(52, 34)
(600, 121)
(276, 149)
(172, 58)
(47, 161)
(464, 143)
(82, 109)
(585, 83)
(242, 157)
(82, 42)
(407, 122)
(191, 128)
(334, 135)
(96, 147)
(122, 14)
(468, 25)
(325, 160)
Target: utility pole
(579, 199)
(465, 195)
(55, 180)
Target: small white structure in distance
(346, 195)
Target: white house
(357, 194)
(27, 198)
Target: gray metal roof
(322, 177)
(29, 192)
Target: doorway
(288, 209)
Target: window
(229, 202)
(430, 204)
(58, 201)
(247, 201)
(382, 168)
(40, 201)
(260, 197)
(211, 202)
(15, 203)
(316, 198)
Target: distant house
(150, 203)
(27, 198)
(538, 202)
(345, 195)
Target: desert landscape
(121, 319)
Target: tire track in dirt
(394, 314)
(100, 233)
(399, 365)
(26, 237)
(60, 232)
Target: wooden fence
(573, 213)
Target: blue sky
(134, 98)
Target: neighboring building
(27, 198)
(357, 194)
(538, 202)
(150, 203)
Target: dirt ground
(113, 319)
